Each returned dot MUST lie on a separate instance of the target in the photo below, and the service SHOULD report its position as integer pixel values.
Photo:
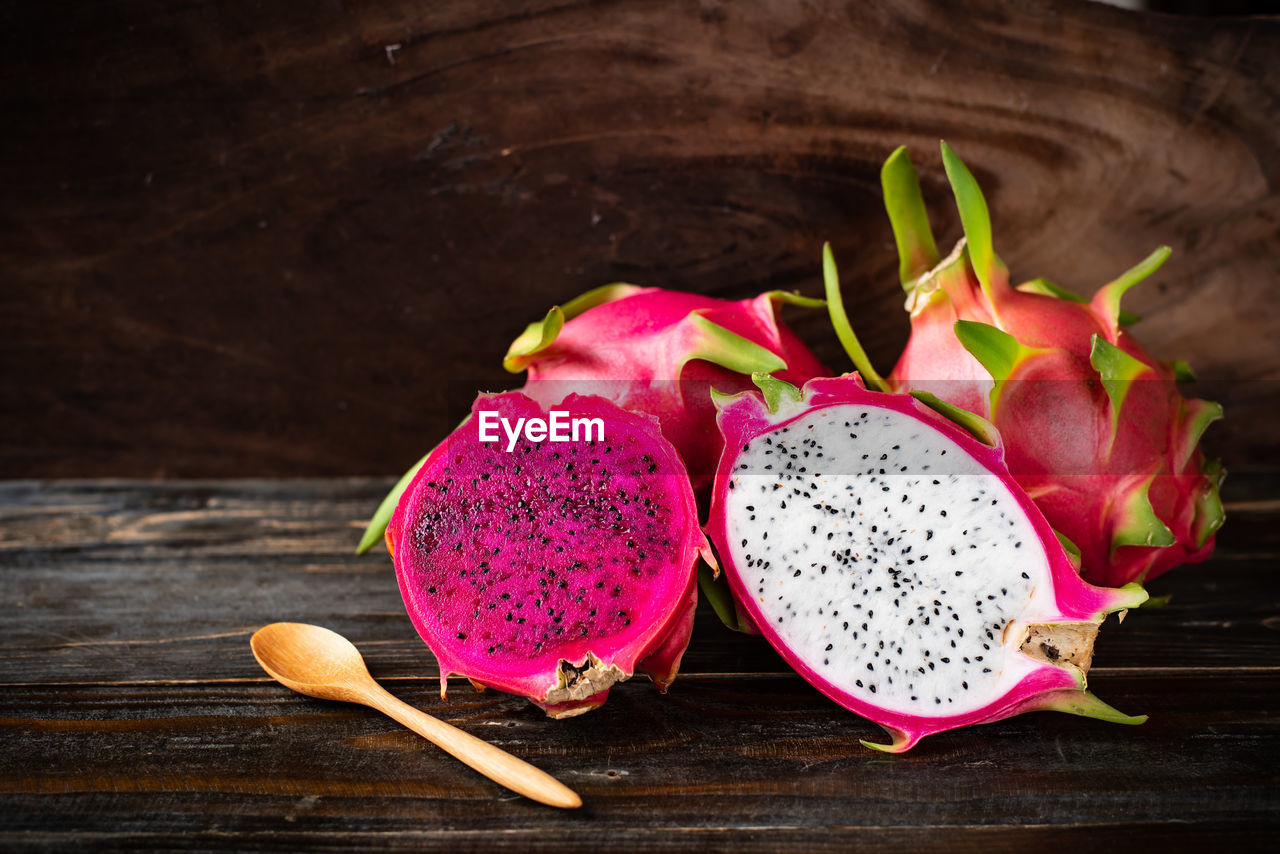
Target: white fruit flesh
(896, 567)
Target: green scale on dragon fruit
(1094, 427)
(556, 569)
(891, 559)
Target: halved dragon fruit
(545, 568)
(894, 563)
(659, 351)
(1095, 428)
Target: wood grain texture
(279, 239)
(757, 763)
(133, 716)
(189, 570)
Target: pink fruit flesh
(557, 569)
(896, 565)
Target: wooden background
(271, 239)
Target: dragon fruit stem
(977, 426)
(1136, 521)
(840, 320)
(713, 343)
(378, 522)
(715, 589)
(1107, 300)
(539, 335)
(1118, 371)
(901, 741)
(775, 391)
(1209, 514)
(996, 350)
(1086, 704)
(917, 251)
(797, 299)
(976, 221)
(1046, 288)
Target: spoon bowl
(315, 661)
(311, 660)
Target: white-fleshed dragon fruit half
(892, 560)
(551, 569)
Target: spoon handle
(496, 764)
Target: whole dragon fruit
(547, 568)
(659, 351)
(1094, 428)
(892, 560)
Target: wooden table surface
(134, 716)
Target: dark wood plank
(277, 239)
(136, 582)
(751, 762)
(132, 716)
(764, 837)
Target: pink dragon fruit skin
(554, 570)
(837, 558)
(1094, 427)
(660, 351)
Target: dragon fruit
(659, 351)
(891, 559)
(653, 351)
(1095, 429)
(546, 568)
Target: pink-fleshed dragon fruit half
(892, 560)
(1094, 428)
(657, 352)
(660, 351)
(551, 569)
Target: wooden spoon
(315, 661)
